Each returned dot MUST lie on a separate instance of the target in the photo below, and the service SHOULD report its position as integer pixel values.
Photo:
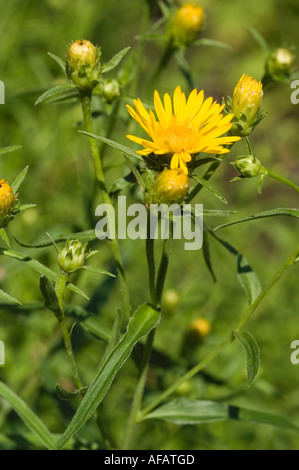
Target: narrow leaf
(115, 60)
(19, 179)
(142, 322)
(59, 61)
(87, 236)
(28, 416)
(259, 39)
(207, 253)
(246, 276)
(9, 298)
(218, 213)
(187, 411)
(50, 297)
(212, 43)
(4, 237)
(251, 352)
(209, 187)
(10, 149)
(97, 270)
(116, 145)
(262, 215)
(54, 91)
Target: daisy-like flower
(184, 128)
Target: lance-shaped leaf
(4, 237)
(115, 60)
(251, 352)
(12, 148)
(56, 90)
(246, 275)
(87, 236)
(210, 188)
(8, 298)
(186, 411)
(142, 322)
(116, 145)
(59, 61)
(263, 215)
(19, 179)
(28, 416)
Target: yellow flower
(7, 198)
(186, 23)
(81, 52)
(247, 98)
(171, 186)
(184, 128)
(83, 64)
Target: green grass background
(60, 179)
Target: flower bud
(279, 64)
(201, 327)
(246, 104)
(170, 186)
(7, 201)
(83, 64)
(109, 89)
(186, 24)
(248, 167)
(72, 256)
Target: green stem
(156, 301)
(150, 256)
(60, 291)
(281, 179)
(252, 308)
(86, 109)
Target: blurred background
(60, 182)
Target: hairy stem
(86, 109)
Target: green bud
(83, 64)
(72, 256)
(248, 167)
(109, 89)
(279, 64)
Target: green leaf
(212, 43)
(19, 179)
(6, 297)
(259, 39)
(246, 276)
(25, 207)
(262, 215)
(10, 149)
(209, 187)
(115, 60)
(4, 237)
(218, 213)
(87, 236)
(28, 416)
(59, 61)
(187, 411)
(136, 173)
(116, 145)
(207, 253)
(97, 270)
(78, 291)
(54, 91)
(252, 354)
(142, 322)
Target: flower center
(177, 137)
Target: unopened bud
(83, 64)
(246, 104)
(186, 24)
(109, 89)
(170, 186)
(248, 167)
(72, 256)
(201, 327)
(279, 64)
(7, 201)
